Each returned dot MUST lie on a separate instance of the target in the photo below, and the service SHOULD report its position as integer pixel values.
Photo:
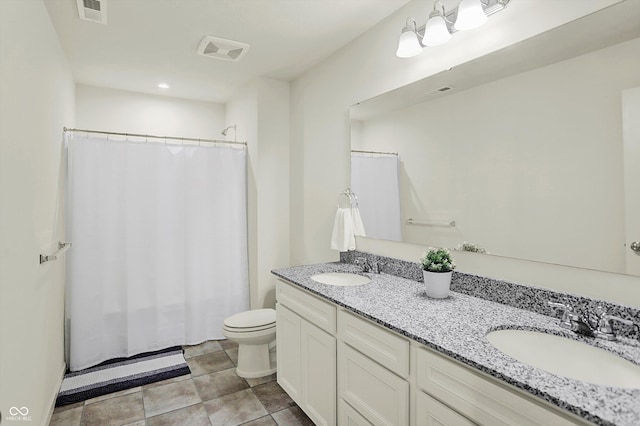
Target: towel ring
(351, 196)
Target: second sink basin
(566, 357)
(341, 279)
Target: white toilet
(255, 333)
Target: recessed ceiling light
(163, 85)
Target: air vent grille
(220, 48)
(93, 10)
(440, 90)
(92, 4)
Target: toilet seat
(249, 329)
(254, 320)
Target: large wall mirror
(531, 153)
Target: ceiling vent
(93, 10)
(443, 89)
(220, 48)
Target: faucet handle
(567, 313)
(605, 326)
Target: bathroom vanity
(383, 353)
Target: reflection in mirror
(525, 154)
(375, 178)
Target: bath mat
(122, 373)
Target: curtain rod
(375, 152)
(153, 136)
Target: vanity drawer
(484, 400)
(430, 412)
(378, 395)
(308, 306)
(383, 346)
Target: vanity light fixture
(440, 25)
(409, 45)
(436, 31)
(470, 15)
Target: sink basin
(341, 279)
(566, 357)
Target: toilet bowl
(255, 333)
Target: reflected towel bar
(444, 223)
(62, 247)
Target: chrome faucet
(583, 325)
(571, 320)
(369, 266)
(364, 262)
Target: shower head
(226, 129)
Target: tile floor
(212, 395)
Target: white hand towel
(343, 238)
(358, 226)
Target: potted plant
(437, 267)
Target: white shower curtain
(159, 235)
(375, 178)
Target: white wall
(129, 112)
(242, 110)
(367, 67)
(529, 166)
(261, 111)
(36, 102)
(272, 185)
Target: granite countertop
(457, 326)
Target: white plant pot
(437, 284)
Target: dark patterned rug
(122, 373)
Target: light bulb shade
(470, 15)
(408, 46)
(436, 31)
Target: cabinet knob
(635, 246)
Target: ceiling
(146, 42)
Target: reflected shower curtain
(159, 235)
(375, 178)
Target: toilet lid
(251, 319)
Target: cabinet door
(318, 374)
(430, 412)
(288, 328)
(375, 392)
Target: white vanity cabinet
(305, 336)
(373, 368)
(343, 369)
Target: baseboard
(54, 394)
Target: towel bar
(62, 247)
(444, 223)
